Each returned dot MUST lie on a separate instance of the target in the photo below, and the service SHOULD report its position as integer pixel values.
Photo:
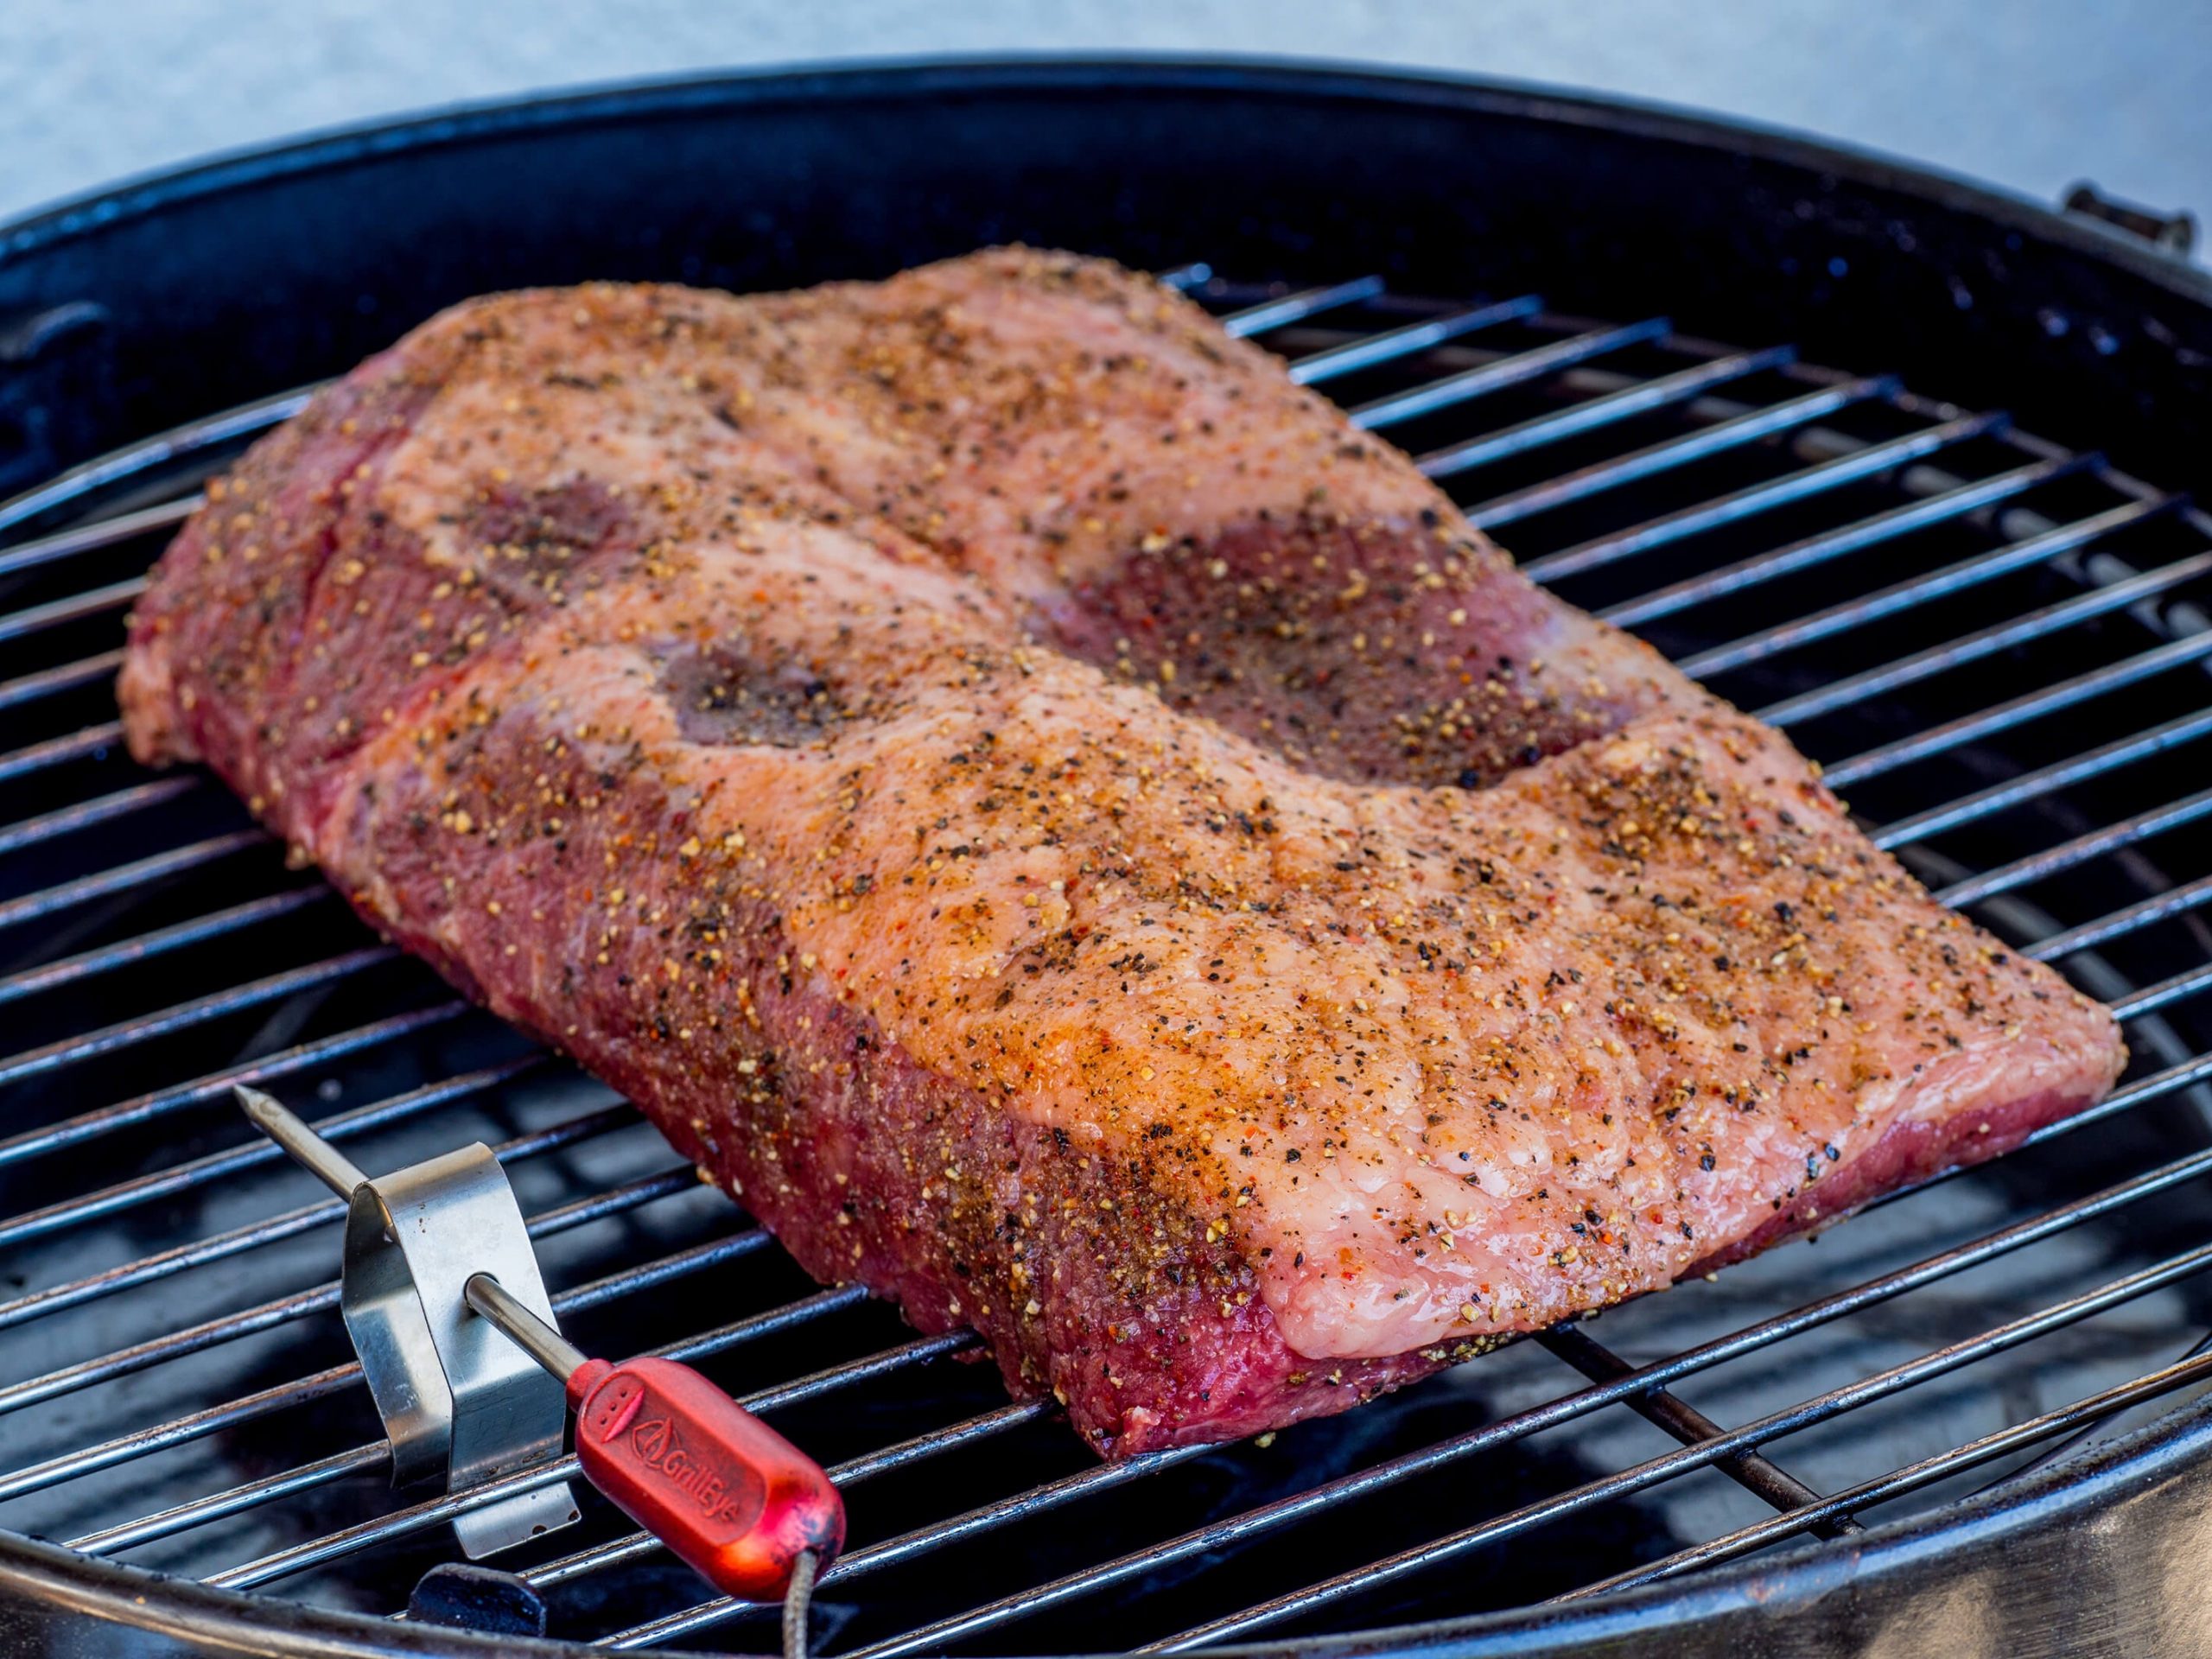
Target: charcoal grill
(1694, 376)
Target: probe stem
(309, 1150)
(535, 1338)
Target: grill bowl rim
(105, 206)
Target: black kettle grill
(1902, 465)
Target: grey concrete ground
(2028, 94)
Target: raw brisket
(1073, 835)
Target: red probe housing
(735, 1500)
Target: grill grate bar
(2043, 780)
(619, 1552)
(52, 1385)
(1913, 1478)
(163, 1263)
(1664, 1410)
(59, 750)
(66, 543)
(161, 1103)
(1940, 1362)
(28, 688)
(791, 1315)
(1753, 499)
(2165, 993)
(361, 1460)
(193, 438)
(1679, 387)
(731, 1247)
(1296, 307)
(124, 1196)
(14, 625)
(1665, 456)
(29, 832)
(177, 1431)
(68, 1051)
(1984, 642)
(2019, 710)
(1916, 591)
(140, 872)
(1815, 550)
(68, 970)
(1514, 371)
(1414, 337)
(2037, 866)
(2175, 902)
(919, 1351)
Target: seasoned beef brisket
(1073, 835)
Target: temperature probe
(735, 1500)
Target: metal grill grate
(1996, 645)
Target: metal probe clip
(459, 1401)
